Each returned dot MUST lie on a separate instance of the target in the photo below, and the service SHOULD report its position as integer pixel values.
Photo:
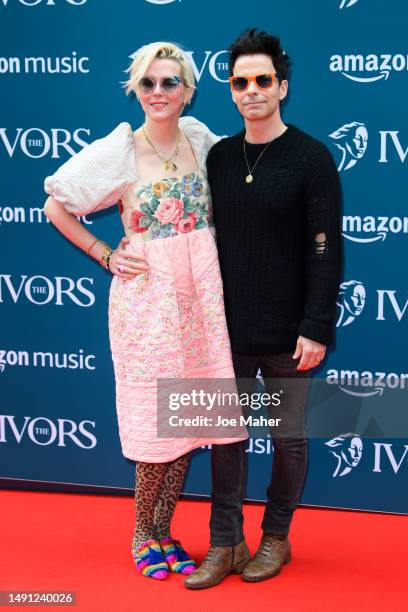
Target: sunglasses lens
(146, 84)
(240, 83)
(170, 83)
(264, 81)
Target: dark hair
(257, 41)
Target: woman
(166, 315)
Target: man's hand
(310, 353)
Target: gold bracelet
(104, 261)
(94, 242)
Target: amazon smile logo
(372, 229)
(366, 383)
(368, 68)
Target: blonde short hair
(144, 57)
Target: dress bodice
(168, 207)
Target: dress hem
(203, 442)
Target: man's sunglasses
(263, 81)
(168, 84)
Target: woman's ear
(188, 95)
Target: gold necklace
(249, 178)
(168, 163)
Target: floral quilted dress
(169, 322)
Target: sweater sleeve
(322, 200)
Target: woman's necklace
(168, 163)
(249, 178)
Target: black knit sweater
(278, 282)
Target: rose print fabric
(171, 321)
(169, 207)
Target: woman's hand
(124, 266)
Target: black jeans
(229, 461)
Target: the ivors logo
(44, 431)
(41, 290)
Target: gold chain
(249, 178)
(168, 163)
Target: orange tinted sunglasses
(263, 81)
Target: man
(276, 199)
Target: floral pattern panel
(171, 207)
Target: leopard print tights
(157, 490)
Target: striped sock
(177, 558)
(150, 560)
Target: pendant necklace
(168, 163)
(249, 178)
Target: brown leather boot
(272, 554)
(219, 562)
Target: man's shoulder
(226, 144)
(310, 145)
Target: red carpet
(60, 542)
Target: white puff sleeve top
(97, 176)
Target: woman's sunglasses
(168, 84)
(263, 81)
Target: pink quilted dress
(169, 322)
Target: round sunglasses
(263, 81)
(167, 84)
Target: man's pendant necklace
(168, 163)
(249, 178)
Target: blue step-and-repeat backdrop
(61, 67)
